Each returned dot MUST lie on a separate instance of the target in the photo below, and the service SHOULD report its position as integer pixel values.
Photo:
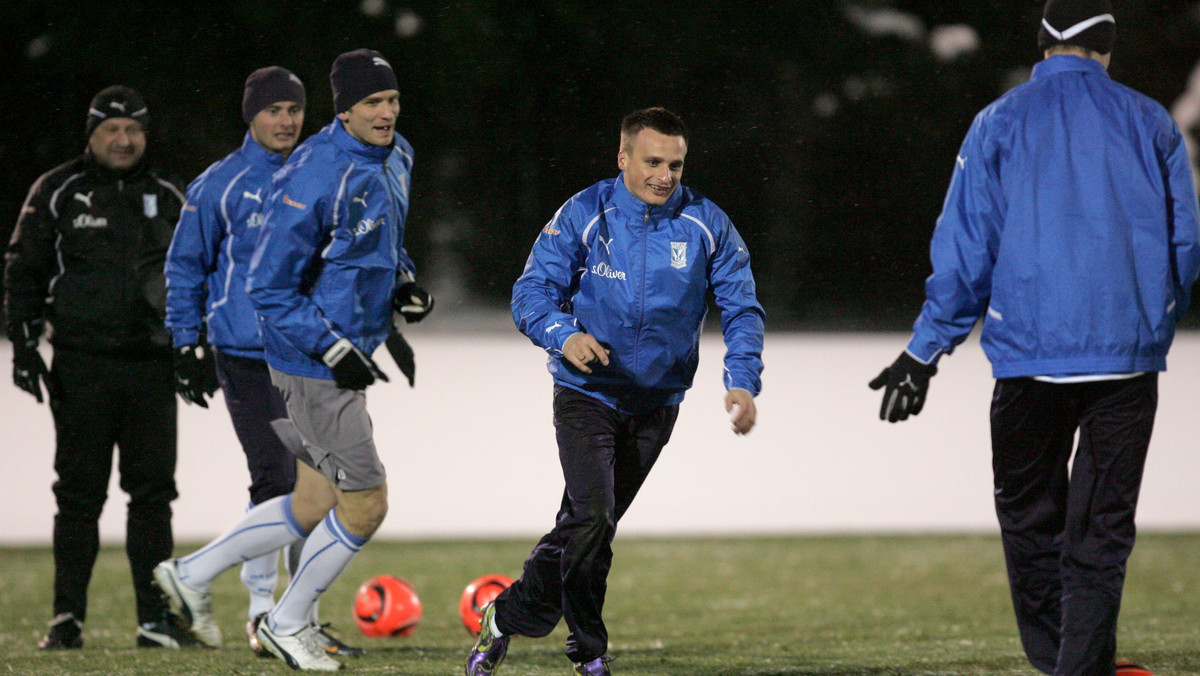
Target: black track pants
(1067, 535)
(253, 402)
(605, 457)
(104, 402)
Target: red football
(478, 594)
(1131, 669)
(386, 605)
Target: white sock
(260, 575)
(314, 613)
(495, 629)
(263, 529)
(327, 552)
(293, 556)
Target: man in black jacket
(86, 261)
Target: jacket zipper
(637, 344)
(394, 230)
(133, 254)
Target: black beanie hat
(1083, 23)
(117, 101)
(358, 74)
(270, 85)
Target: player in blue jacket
(327, 273)
(1070, 228)
(206, 294)
(616, 290)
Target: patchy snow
(951, 41)
(408, 23)
(885, 21)
(373, 8)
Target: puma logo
(256, 195)
(86, 199)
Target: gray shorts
(335, 428)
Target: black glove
(195, 373)
(401, 351)
(412, 302)
(352, 370)
(907, 382)
(29, 369)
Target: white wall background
(471, 452)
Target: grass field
(829, 606)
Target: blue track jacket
(1071, 221)
(636, 278)
(330, 249)
(210, 253)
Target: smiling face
(373, 120)
(277, 127)
(653, 164)
(118, 143)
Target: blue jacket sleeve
(963, 251)
(191, 258)
(541, 295)
(287, 255)
(742, 316)
(407, 272)
(1182, 210)
(400, 165)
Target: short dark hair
(657, 118)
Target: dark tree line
(829, 146)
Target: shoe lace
(323, 637)
(310, 640)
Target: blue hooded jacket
(637, 278)
(211, 250)
(1071, 222)
(331, 249)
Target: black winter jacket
(87, 256)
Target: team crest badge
(150, 205)
(678, 254)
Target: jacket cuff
(26, 332)
(924, 352)
(185, 337)
(565, 335)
